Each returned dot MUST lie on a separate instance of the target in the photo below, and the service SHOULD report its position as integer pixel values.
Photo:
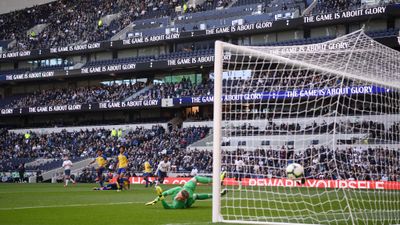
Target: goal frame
(217, 112)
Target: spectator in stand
(331, 6)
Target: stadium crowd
(375, 129)
(112, 93)
(11, 27)
(142, 145)
(183, 88)
(280, 80)
(330, 6)
(72, 22)
(82, 95)
(351, 163)
(358, 163)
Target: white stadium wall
(72, 129)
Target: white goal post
(332, 107)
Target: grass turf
(34, 204)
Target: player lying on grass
(124, 183)
(184, 197)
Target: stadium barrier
(272, 182)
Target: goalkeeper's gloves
(160, 198)
(152, 202)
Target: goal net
(331, 107)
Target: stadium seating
(83, 95)
(181, 89)
(318, 161)
(72, 22)
(142, 145)
(330, 6)
(374, 130)
(148, 144)
(75, 22)
(104, 93)
(78, 21)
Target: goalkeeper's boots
(224, 192)
(223, 175)
(159, 192)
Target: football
(294, 171)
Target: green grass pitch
(52, 204)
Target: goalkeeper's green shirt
(189, 187)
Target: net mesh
(332, 108)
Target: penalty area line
(72, 205)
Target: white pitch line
(72, 205)
(186, 223)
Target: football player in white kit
(239, 171)
(67, 164)
(162, 170)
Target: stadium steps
(310, 8)
(77, 168)
(195, 2)
(232, 4)
(205, 143)
(109, 18)
(121, 35)
(12, 44)
(137, 94)
(76, 66)
(176, 122)
(38, 162)
(37, 29)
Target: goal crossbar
(268, 56)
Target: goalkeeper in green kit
(184, 197)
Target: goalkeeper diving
(184, 197)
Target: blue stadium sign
(187, 101)
(138, 104)
(306, 93)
